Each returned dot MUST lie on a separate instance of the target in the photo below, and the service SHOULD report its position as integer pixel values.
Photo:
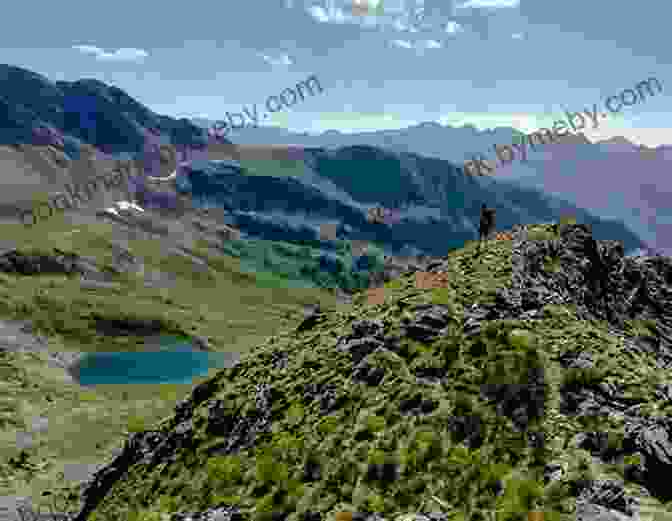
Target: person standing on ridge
(486, 224)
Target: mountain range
(265, 200)
(636, 200)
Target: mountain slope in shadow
(434, 199)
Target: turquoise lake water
(173, 362)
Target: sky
(381, 63)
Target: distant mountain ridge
(553, 169)
(35, 110)
(429, 139)
(437, 204)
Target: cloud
(366, 13)
(283, 59)
(409, 17)
(517, 36)
(401, 25)
(498, 4)
(402, 43)
(453, 27)
(122, 54)
(333, 15)
(319, 13)
(418, 45)
(430, 44)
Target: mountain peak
(86, 110)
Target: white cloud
(122, 54)
(319, 13)
(332, 15)
(430, 44)
(283, 59)
(89, 49)
(453, 27)
(489, 3)
(418, 45)
(401, 24)
(365, 13)
(401, 16)
(517, 36)
(402, 43)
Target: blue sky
(484, 62)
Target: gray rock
(611, 495)
(24, 440)
(15, 261)
(211, 514)
(93, 284)
(591, 512)
(652, 438)
(554, 471)
(430, 322)
(201, 343)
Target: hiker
(487, 223)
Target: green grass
(234, 310)
(295, 266)
(435, 468)
(541, 235)
(276, 168)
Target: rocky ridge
(535, 381)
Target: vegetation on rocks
(511, 389)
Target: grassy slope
(299, 264)
(231, 308)
(367, 426)
(277, 168)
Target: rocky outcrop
(140, 446)
(571, 271)
(15, 261)
(593, 275)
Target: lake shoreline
(163, 361)
(70, 361)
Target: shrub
(375, 423)
(632, 459)
(520, 496)
(583, 377)
(328, 425)
(375, 503)
(269, 470)
(226, 469)
(295, 413)
(520, 339)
